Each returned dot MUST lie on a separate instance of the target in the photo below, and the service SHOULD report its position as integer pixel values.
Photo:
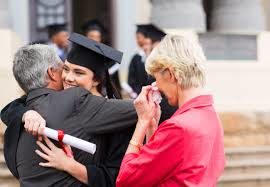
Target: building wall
(234, 83)
(239, 87)
(19, 18)
(143, 11)
(124, 33)
(10, 42)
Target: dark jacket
(108, 123)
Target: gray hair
(31, 63)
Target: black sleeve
(113, 115)
(104, 175)
(101, 176)
(99, 115)
(14, 111)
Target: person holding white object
(69, 140)
(82, 112)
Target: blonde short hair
(183, 56)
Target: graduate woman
(86, 67)
(89, 71)
(95, 30)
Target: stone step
(245, 180)
(250, 153)
(2, 161)
(247, 167)
(5, 173)
(9, 183)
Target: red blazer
(186, 150)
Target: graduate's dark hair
(94, 25)
(142, 29)
(106, 86)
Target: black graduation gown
(108, 123)
(137, 76)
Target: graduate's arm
(99, 175)
(100, 115)
(77, 170)
(57, 159)
(92, 175)
(14, 111)
(114, 115)
(105, 174)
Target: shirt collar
(37, 93)
(196, 102)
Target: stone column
(124, 32)
(266, 7)
(237, 16)
(178, 14)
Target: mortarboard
(55, 28)
(142, 28)
(154, 33)
(91, 54)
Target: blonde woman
(187, 149)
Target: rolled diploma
(71, 140)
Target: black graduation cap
(154, 33)
(142, 28)
(55, 28)
(93, 24)
(91, 54)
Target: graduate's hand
(34, 123)
(55, 156)
(145, 106)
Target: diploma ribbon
(68, 151)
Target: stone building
(235, 37)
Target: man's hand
(34, 123)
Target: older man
(37, 69)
